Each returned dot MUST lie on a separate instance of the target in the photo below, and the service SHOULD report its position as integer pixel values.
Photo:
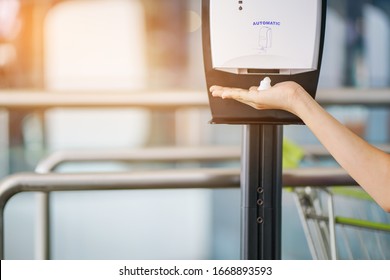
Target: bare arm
(369, 166)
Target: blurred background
(152, 45)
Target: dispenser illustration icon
(265, 39)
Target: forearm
(369, 166)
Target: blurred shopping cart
(343, 223)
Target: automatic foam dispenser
(245, 41)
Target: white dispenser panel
(265, 36)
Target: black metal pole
(261, 192)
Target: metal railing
(208, 154)
(168, 99)
(166, 179)
(28, 99)
(154, 154)
(166, 155)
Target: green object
(292, 154)
(292, 157)
(362, 224)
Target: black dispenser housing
(233, 112)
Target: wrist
(300, 101)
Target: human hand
(282, 96)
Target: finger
(216, 91)
(238, 94)
(219, 92)
(215, 87)
(251, 97)
(232, 92)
